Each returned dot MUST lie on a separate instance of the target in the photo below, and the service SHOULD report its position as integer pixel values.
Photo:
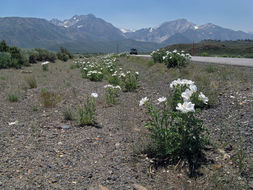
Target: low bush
(87, 113)
(49, 99)
(130, 82)
(64, 54)
(158, 56)
(171, 59)
(44, 55)
(31, 81)
(5, 60)
(68, 114)
(12, 97)
(178, 134)
(111, 94)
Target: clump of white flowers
(176, 133)
(188, 93)
(171, 59)
(94, 95)
(185, 107)
(111, 94)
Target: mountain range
(87, 33)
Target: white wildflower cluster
(180, 82)
(146, 99)
(153, 52)
(175, 52)
(94, 72)
(112, 87)
(187, 105)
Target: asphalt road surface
(245, 62)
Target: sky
(136, 14)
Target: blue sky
(136, 14)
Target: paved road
(245, 62)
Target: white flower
(45, 63)
(164, 57)
(162, 99)
(143, 101)
(185, 107)
(193, 87)
(108, 86)
(175, 83)
(137, 73)
(203, 98)
(122, 75)
(186, 95)
(94, 95)
(175, 51)
(118, 87)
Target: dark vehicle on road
(133, 51)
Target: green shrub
(130, 82)
(4, 47)
(64, 54)
(5, 60)
(95, 75)
(175, 60)
(158, 56)
(114, 79)
(177, 134)
(13, 97)
(68, 114)
(111, 94)
(49, 99)
(211, 68)
(12, 57)
(33, 58)
(31, 81)
(87, 113)
(204, 54)
(44, 55)
(44, 66)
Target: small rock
(65, 127)
(117, 145)
(103, 187)
(139, 187)
(13, 123)
(226, 156)
(218, 166)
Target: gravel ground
(37, 153)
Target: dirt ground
(37, 153)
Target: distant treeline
(16, 57)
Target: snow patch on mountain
(123, 30)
